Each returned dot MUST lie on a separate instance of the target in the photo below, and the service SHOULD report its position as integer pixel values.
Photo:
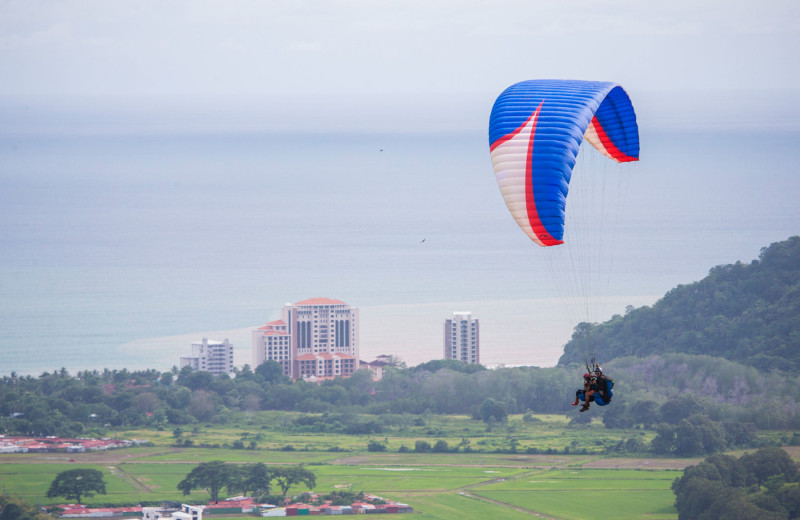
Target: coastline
(413, 332)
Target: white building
(186, 512)
(314, 339)
(462, 338)
(210, 356)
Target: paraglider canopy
(535, 132)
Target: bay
(119, 250)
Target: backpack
(607, 393)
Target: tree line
(246, 479)
(683, 397)
(743, 312)
(756, 486)
(13, 508)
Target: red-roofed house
(315, 338)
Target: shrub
(376, 446)
(440, 447)
(422, 446)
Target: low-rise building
(210, 356)
(378, 366)
(184, 512)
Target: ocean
(117, 251)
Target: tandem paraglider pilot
(597, 388)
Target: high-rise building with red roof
(314, 339)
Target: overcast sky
(375, 61)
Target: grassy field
(273, 431)
(492, 490)
(443, 486)
(580, 493)
(446, 487)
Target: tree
(196, 380)
(698, 435)
(374, 445)
(770, 461)
(664, 441)
(679, 408)
(738, 434)
(16, 509)
(272, 372)
(789, 497)
(77, 483)
(146, 402)
(238, 480)
(493, 411)
(202, 404)
(450, 364)
(440, 447)
(618, 416)
(288, 476)
(251, 403)
(211, 476)
(645, 413)
(259, 479)
(344, 497)
(723, 487)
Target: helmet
(587, 375)
(597, 369)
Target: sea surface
(117, 251)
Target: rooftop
(321, 301)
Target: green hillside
(748, 313)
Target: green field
(441, 487)
(580, 493)
(269, 431)
(476, 484)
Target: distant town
(370, 504)
(318, 339)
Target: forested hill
(748, 313)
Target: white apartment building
(462, 338)
(314, 339)
(186, 512)
(210, 356)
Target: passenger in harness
(585, 394)
(597, 388)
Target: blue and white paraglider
(535, 132)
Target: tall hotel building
(462, 338)
(314, 338)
